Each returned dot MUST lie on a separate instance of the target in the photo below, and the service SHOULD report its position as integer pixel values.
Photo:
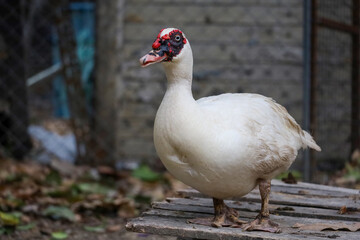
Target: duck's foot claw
(227, 219)
(262, 224)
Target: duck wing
(274, 137)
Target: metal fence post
(355, 81)
(306, 81)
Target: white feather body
(221, 145)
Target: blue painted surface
(83, 18)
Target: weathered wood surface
(290, 204)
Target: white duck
(225, 145)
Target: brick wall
(238, 45)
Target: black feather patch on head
(171, 44)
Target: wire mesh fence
(334, 82)
(53, 64)
(13, 95)
(68, 107)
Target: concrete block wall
(238, 45)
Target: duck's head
(169, 46)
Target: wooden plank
(311, 192)
(179, 227)
(174, 226)
(283, 210)
(352, 201)
(302, 188)
(175, 213)
(245, 215)
(302, 203)
(304, 185)
(194, 213)
(298, 200)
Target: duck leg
(224, 216)
(262, 221)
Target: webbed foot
(262, 221)
(262, 224)
(224, 217)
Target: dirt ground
(40, 201)
(61, 201)
(77, 232)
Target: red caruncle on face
(159, 39)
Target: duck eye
(177, 38)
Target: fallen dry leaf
(342, 210)
(341, 226)
(26, 192)
(348, 210)
(60, 126)
(127, 210)
(64, 168)
(9, 219)
(290, 179)
(106, 170)
(114, 228)
(25, 219)
(78, 218)
(50, 201)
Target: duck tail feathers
(310, 142)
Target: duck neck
(179, 75)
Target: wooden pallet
(290, 205)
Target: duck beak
(150, 58)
